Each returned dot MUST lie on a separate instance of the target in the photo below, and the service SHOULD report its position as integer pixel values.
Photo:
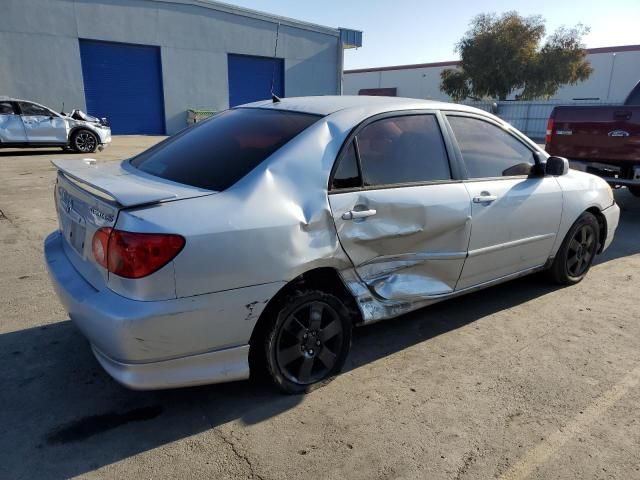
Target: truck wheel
(84, 141)
(308, 342)
(577, 251)
(635, 191)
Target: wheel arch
(77, 128)
(602, 223)
(326, 279)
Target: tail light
(134, 255)
(547, 138)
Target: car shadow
(63, 416)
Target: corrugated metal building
(143, 63)
(616, 71)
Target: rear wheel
(84, 141)
(309, 341)
(577, 251)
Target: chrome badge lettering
(103, 216)
(618, 133)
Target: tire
(577, 251)
(635, 191)
(308, 341)
(84, 141)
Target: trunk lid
(89, 195)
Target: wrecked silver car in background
(258, 238)
(28, 124)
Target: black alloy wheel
(309, 342)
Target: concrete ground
(523, 380)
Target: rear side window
(6, 108)
(403, 149)
(220, 151)
(489, 151)
(347, 174)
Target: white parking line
(539, 454)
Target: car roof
(4, 98)
(369, 105)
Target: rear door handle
(353, 214)
(485, 198)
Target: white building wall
(614, 75)
(40, 54)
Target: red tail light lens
(135, 255)
(547, 138)
(100, 245)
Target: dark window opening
(488, 151)
(6, 108)
(220, 151)
(347, 175)
(403, 149)
(31, 109)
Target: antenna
(274, 97)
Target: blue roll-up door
(250, 78)
(124, 83)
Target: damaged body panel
(416, 244)
(275, 226)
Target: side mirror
(557, 166)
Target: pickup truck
(603, 140)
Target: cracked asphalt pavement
(523, 380)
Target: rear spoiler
(123, 183)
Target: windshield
(221, 150)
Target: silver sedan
(256, 240)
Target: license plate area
(76, 234)
(72, 224)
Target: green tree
(502, 54)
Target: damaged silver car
(256, 240)
(25, 124)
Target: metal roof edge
(255, 14)
(453, 63)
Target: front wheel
(84, 141)
(308, 342)
(577, 251)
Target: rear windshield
(220, 151)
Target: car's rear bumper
(609, 172)
(160, 344)
(226, 365)
(612, 217)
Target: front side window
(220, 151)
(404, 149)
(31, 109)
(488, 151)
(6, 108)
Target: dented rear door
(400, 215)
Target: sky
(397, 32)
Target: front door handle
(485, 197)
(354, 214)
